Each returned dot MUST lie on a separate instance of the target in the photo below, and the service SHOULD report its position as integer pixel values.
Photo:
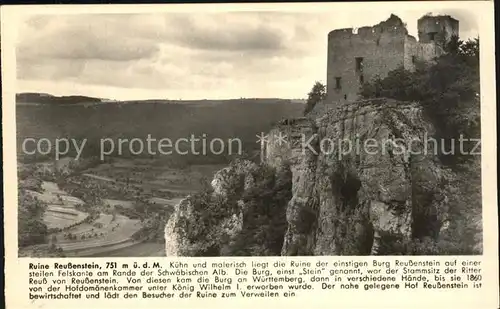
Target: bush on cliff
(154, 217)
(262, 208)
(448, 90)
(264, 216)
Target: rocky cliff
(362, 179)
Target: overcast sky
(188, 56)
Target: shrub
(448, 90)
(264, 215)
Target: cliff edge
(361, 179)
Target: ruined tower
(437, 29)
(358, 56)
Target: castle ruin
(358, 56)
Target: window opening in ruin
(338, 84)
(413, 59)
(361, 79)
(432, 36)
(359, 64)
(345, 96)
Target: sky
(181, 55)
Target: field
(135, 250)
(107, 232)
(102, 225)
(92, 238)
(61, 211)
(163, 182)
(62, 217)
(167, 202)
(122, 203)
(111, 232)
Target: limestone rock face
(361, 174)
(239, 172)
(175, 238)
(184, 221)
(355, 170)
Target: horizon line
(110, 100)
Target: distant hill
(239, 118)
(45, 98)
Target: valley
(118, 208)
(118, 205)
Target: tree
(31, 228)
(317, 94)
